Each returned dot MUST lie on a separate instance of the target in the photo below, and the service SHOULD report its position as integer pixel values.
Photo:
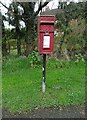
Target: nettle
(34, 59)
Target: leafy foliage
(79, 57)
(72, 23)
(34, 59)
(74, 36)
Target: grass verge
(22, 85)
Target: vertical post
(44, 73)
(38, 7)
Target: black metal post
(44, 73)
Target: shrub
(34, 59)
(79, 57)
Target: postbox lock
(46, 32)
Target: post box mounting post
(44, 74)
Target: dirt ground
(57, 112)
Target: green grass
(22, 85)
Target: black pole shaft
(44, 73)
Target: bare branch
(21, 4)
(40, 8)
(25, 16)
(13, 12)
(4, 5)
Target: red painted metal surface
(46, 34)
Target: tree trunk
(9, 47)
(18, 46)
(65, 54)
(29, 36)
(4, 48)
(18, 41)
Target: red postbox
(46, 34)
